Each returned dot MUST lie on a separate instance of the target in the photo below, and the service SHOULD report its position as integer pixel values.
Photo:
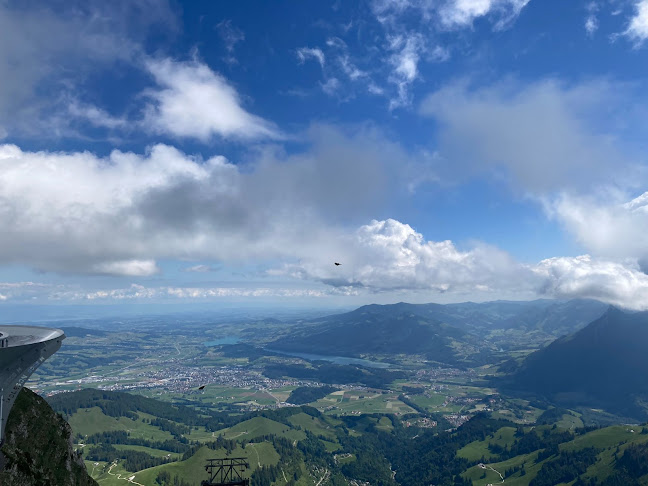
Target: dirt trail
(118, 476)
(486, 466)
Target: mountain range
(444, 333)
(603, 365)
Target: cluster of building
(424, 422)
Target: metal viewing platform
(22, 350)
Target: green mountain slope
(303, 447)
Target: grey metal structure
(22, 350)
(223, 472)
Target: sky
(157, 151)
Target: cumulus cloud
(619, 283)
(390, 255)
(605, 224)
(76, 212)
(193, 101)
(542, 135)
(637, 30)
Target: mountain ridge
(595, 366)
(447, 333)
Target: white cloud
(591, 24)
(617, 283)
(390, 255)
(546, 136)
(130, 268)
(386, 9)
(375, 89)
(96, 116)
(202, 268)
(452, 14)
(305, 53)
(407, 51)
(331, 86)
(591, 21)
(79, 213)
(604, 224)
(637, 30)
(350, 69)
(462, 13)
(193, 101)
(140, 292)
(25, 290)
(341, 66)
(412, 26)
(439, 54)
(47, 49)
(230, 34)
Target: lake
(223, 340)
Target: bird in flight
(201, 387)
(337, 264)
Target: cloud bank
(76, 212)
(541, 135)
(390, 255)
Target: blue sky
(441, 150)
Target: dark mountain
(376, 329)
(603, 365)
(39, 447)
(444, 333)
(551, 316)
